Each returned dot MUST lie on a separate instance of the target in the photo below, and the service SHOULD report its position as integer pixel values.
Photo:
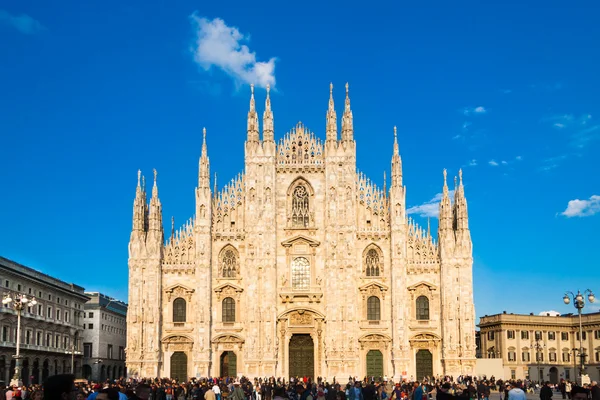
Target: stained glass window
(228, 309)
(300, 209)
(179, 310)
(300, 273)
(422, 308)
(373, 308)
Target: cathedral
(300, 266)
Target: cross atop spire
(204, 167)
(155, 186)
(396, 162)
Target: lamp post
(579, 303)
(538, 349)
(73, 352)
(19, 301)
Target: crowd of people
(65, 387)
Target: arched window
(372, 263)
(228, 309)
(373, 308)
(300, 209)
(179, 310)
(422, 308)
(229, 262)
(300, 273)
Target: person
(579, 393)
(142, 391)
(37, 395)
(237, 393)
(210, 395)
(108, 394)
(546, 392)
(595, 390)
(443, 392)
(217, 391)
(355, 393)
(516, 393)
(60, 387)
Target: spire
(428, 227)
(331, 127)
(396, 163)
(204, 165)
(446, 217)
(155, 213)
(215, 189)
(460, 205)
(347, 124)
(268, 129)
(172, 227)
(252, 118)
(139, 206)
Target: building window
(228, 309)
(121, 353)
(67, 316)
(564, 336)
(229, 262)
(91, 315)
(551, 335)
(422, 308)
(48, 343)
(373, 308)
(566, 356)
(57, 341)
(40, 310)
(512, 356)
(18, 287)
(6, 283)
(300, 207)
(179, 310)
(5, 334)
(525, 335)
(90, 326)
(300, 273)
(38, 338)
(596, 334)
(539, 357)
(510, 334)
(567, 374)
(525, 356)
(27, 337)
(597, 356)
(109, 352)
(58, 315)
(49, 313)
(552, 356)
(584, 335)
(513, 374)
(538, 335)
(87, 350)
(490, 335)
(372, 264)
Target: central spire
(331, 127)
(252, 118)
(268, 129)
(347, 123)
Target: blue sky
(92, 91)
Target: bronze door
(424, 363)
(228, 364)
(375, 364)
(302, 356)
(179, 366)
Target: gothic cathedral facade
(300, 267)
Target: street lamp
(19, 302)
(579, 303)
(538, 349)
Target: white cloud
(473, 163)
(23, 23)
(430, 208)
(219, 45)
(582, 208)
(503, 162)
(559, 125)
(493, 163)
(518, 158)
(474, 110)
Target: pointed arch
(300, 202)
(229, 262)
(373, 261)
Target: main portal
(302, 356)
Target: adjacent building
(301, 266)
(50, 330)
(104, 338)
(542, 347)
